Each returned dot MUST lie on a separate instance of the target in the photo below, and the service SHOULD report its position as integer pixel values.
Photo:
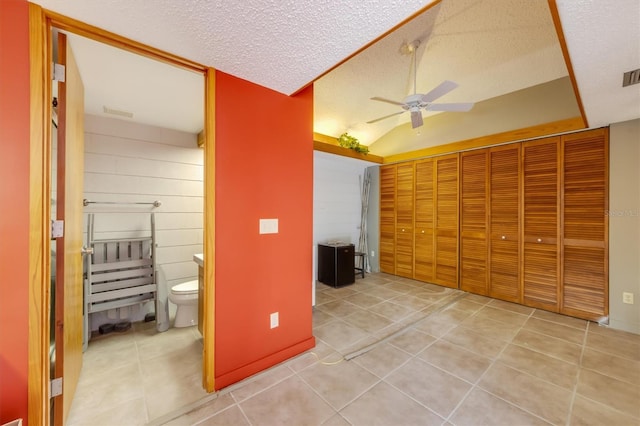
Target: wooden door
(387, 219)
(446, 221)
(540, 210)
(585, 283)
(423, 225)
(473, 221)
(504, 223)
(69, 287)
(404, 219)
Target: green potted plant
(347, 141)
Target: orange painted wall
(14, 208)
(264, 169)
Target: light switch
(268, 226)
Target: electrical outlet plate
(627, 298)
(274, 320)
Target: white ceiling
(490, 47)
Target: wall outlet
(627, 298)
(373, 253)
(273, 318)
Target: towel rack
(86, 202)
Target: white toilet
(185, 296)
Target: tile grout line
(575, 386)
(493, 361)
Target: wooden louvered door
(423, 226)
(473, 221)
(446, 220)
(504, 223)
(388, 219)
(540, 210)
(404, 219)
(585, 283)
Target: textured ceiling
(490, 47)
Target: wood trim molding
(77, 27)
(39, 212)
(555, 127)
(553, 8)
(330, 145)
(209, 291)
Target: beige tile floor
(392, 351)
(135, 376)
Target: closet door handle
(539, 240)
(86, 250)
(423, 231)
(504, 237)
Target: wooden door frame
(41, 22)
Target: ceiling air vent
(631, 77)
(113, 111)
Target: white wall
(336, 200)
(129, 162)
(624, 224)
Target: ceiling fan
(416, 102)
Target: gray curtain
(363, 246)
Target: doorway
(42, 22)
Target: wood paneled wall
(523, 222)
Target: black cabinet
(336, 264)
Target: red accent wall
(264, 169)
(14, 208)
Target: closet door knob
(539, 240)
(423, 231)
(402, 229)
(504, 237)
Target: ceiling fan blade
(382, 118)
(389, 101)
(457, 107)
(416, 119)
(441, 90)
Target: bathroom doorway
(206, 75)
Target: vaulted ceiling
(496, 50)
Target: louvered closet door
(585, 286)
(446, 221)
(504, 239)
(540, 209)
(387, 219)
(404, 219)
(423, 229)
(473, 221)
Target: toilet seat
(190, 287)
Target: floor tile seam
(513, 404)
(538, 351)
(442, 338)
(619, 379)
(478, 385)
(144, 392)
(624, 413)
(397, 333)
(527, 316)
(575, 388)
(244, 414)
(584, 328)
(255, 379)
(437, 367)
(337, 410)
(607, 352)
(415, 400)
